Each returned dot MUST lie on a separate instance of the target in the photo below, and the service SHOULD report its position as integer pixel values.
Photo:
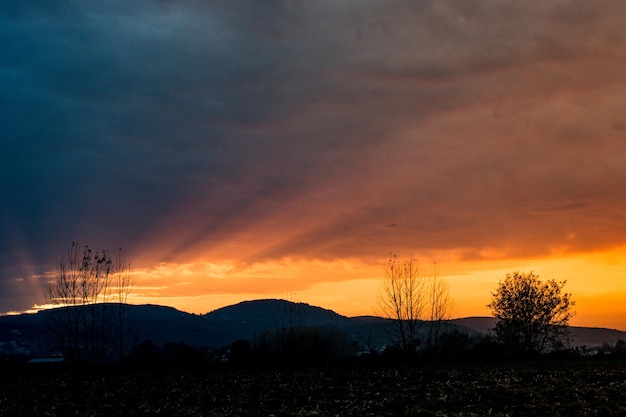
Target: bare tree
(532, 315)
(402, 298)
(291, 319)
(123, 282)
(90, 289)
(414, 302)
(440, 308)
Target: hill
(480, 325)
(580, 336)
(27, 333)
(249, 319)
(277, 313)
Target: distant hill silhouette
(580, 336)
(26, 333)
(277, 313)
(250, 318)
(476, 324)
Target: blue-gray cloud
(176, 125)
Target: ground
(591, 388)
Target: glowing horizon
(350, 287)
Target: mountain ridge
(217, 329)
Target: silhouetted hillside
(580, 336)
(595, 336)
(27, 334)
(166, 324)
(480, 325)
(276, 313)
(249, 319)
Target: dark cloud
(262, 130)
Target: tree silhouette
(402, 298)
(440, 306)
(531, 315)
(408, 297)
(90, 289)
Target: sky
(239, 149)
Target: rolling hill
(26, 333)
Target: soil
(583, 388)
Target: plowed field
(542, 389)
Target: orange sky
(350, 287)
(241, 150)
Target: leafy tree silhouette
(531, 315)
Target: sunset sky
(239, 150)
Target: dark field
(539, 389)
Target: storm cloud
(259, 131)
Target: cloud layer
(260, 131)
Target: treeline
(307, 347)
(312, 346)
(283, 347)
